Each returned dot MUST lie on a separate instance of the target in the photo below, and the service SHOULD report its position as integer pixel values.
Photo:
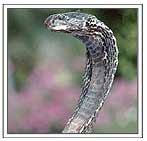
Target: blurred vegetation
(25, 24)
(31, 45)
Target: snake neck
(97, 80)
(100, 67)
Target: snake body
(101, 65)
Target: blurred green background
(45, 69)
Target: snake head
(71, 22)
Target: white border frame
(139, 6)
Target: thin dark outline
(73, 4)
(137, 76)
(141, 64)
(3, 70)
(59, 134)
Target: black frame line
(73, 4)
(65, 133)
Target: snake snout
(47, 23)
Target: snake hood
(72, 22)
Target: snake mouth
(61, 28)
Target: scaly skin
(102, 60)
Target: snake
(101, 65)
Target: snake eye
(61, 17)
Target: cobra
(101, 65)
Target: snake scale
(101, 65)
